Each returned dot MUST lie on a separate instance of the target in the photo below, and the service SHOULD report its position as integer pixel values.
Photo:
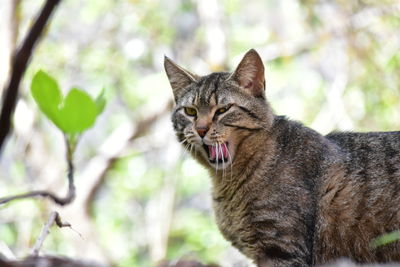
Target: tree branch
(54, 218)
(42, 193)
(20, 62)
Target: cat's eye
(190, 111)
(222, 110)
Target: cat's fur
(283, 194)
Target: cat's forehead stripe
(195, 98)
(203, 93)
(213, 91)
(208, 89)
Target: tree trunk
(8, 35)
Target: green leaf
(72, 114)
(78, 112)
(385, 239)
(100, 102)
(47, 95)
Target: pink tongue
(214, 153)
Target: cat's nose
(202, 131)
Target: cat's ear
(250, 74)
(179, 78)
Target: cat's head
(214, 114)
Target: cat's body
(283, 194)
(361, 199)
(312, 199)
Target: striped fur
(286, 195)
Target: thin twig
(46, 194)
(54, 218)
(40, 193)
(20, 62)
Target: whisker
(230, 159)
(187, 146)
(191, 148)
(183, 141)
(184, 149)
(223, 161)
(216, 158)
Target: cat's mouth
(218, 154)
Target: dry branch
(48, 261)
(46, 194)
(54, 218)
(20, 62)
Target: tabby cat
(283, 194)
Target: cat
(283, 194)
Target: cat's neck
(255, 149)
(262, 153)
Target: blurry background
(334, 65)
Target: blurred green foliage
(330, 64)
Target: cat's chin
(219, 165)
